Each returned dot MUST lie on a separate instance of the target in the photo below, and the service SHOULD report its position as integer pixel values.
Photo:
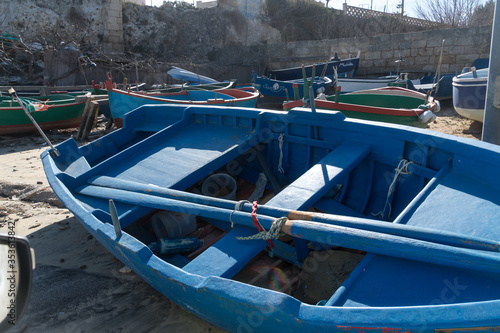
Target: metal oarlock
(13, 93)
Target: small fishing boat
(204, 86)
(188, 76)
(50, 112)
(275, 92)
(343, 67)
(388, 104)
(352, 84)
(440, 89)
(123, 101)
(469, 93)
(349, 225)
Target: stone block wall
(420, 51)
(113, 31)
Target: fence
(365, 13)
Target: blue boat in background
(469, 93)
(275, 92)
(344, 67)
(440, 89)
(188, 76)
(123, 101)
(281, 84)
(366, 227)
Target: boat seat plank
(319, 179)
(446, 207)
(333, 207)
(226, 257)
(181, 160)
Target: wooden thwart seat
(226, 257)
(320, 178)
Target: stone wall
(95, 24)
(219, 43)
(420, 51)
(113, 31)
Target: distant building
(139, 2)
(206, 4)
(249, 8)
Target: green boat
(50, 112)
(388, 104)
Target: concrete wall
(420, 51)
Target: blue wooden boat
(188, 76)
(469, 94)
(398, 225)
(275, 92)
(345, 68)
(123, 101)
(440, 90)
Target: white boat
(469, 93)
(356, 84)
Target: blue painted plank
(228, 256)
(321, 178)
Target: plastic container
(168, 224)
(427, 116)
(176, 245)
(220, 185)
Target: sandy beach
(79, 286)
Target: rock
(125, 269)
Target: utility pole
(491, 121)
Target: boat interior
(301, 163)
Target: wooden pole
(354, 238)
(443, 237)
(491, 124)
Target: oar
(22, 103)
(438, 71)
(424, 234)
(369, 241)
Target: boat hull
(389, 104)
(383, 293)
(345, 67)
(58, 116)
(275, 92)
(121, 102)
(469, 95)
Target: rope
(255, 220)
(33, 106)
(281, 139)
(237, 207)
(273, 233)
(402, 168)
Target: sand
(79, 286)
